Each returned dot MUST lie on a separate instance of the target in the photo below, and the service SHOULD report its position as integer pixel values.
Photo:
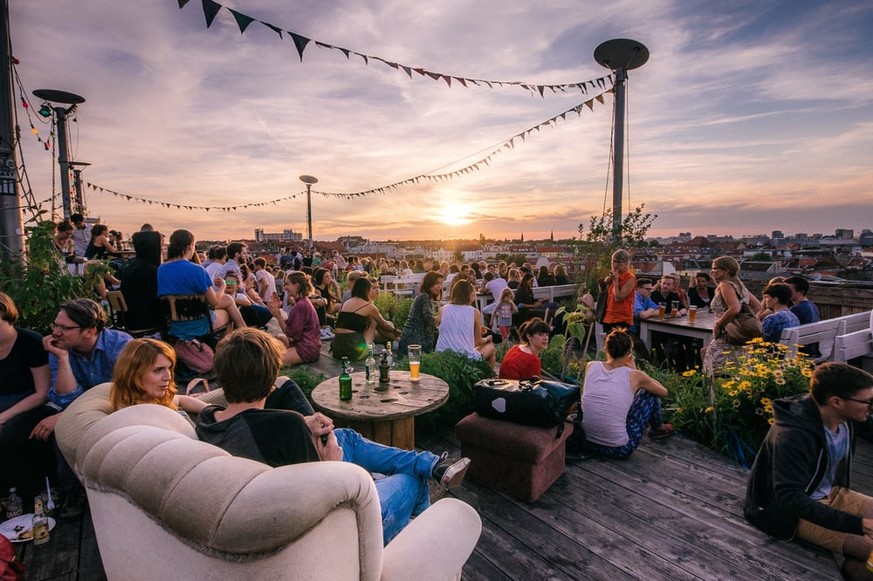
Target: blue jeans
(403, 492)
(645, 410)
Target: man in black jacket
(799, 484)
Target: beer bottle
(370, 366)
(384, 367)
(14, 504)
(345, 382)
(40, 526)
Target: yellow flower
(689, 373)
(780, 381)
(771, 421)
(744, 385)
(757, 340)
(708, 410)
(765, 401)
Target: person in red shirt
(523, 361)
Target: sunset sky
(749, 116)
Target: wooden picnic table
(701, 329)
(384, 414)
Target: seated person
(302, 332)
(804, 309)
(523, 361)
(644, 306)
(776, 298)
(799, 483)
(24, 368)
(247, 363)
(139, 283)
(359, 323)
(665, 347)
(460, 326)
(421, 327)
(544, 277)
(619, 401)
(325, 299)
(700, 295)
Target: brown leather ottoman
(522, 461)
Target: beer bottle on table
(345, 382)
(40, 526)
(370, 366)
(384, 367)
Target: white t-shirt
(270, 280)
(606, 399)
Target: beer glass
(692, 314)
(414, 362)
(675, 309)
(662, 308)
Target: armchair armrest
(434, 546)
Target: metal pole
(309, 213)
(618, 156)
(64, 160)
(11, 228)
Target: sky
(748, 117)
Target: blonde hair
(135, 360)
(507, 291)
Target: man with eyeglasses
(798, 485)
(82, 354)
(644, 306)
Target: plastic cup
(675, 308)
(662, 308)
(692, 314)
(414, 362)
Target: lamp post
(309, 180)
(64, 98)
(77, 184)
(619, 55)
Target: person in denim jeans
(247, 363)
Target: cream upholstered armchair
(167, 506)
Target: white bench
(402, 286)
(554, 291)
(825, 333)
(857, 343)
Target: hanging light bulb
(34, 130)
(45, 110)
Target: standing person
(619, 287)
(776, 298)
(504, 309)
(805, 310)
(81, 234)
(619, 401)
(63, 241)
(81, 354)
(460, 326)
(700, 295)
(139, 283)
(799, 483)
(302, 331)
(523, 361)
(730, 295)
(23, 393)
(421, 327)
(247, 364)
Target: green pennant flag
(210, 9)
(300, 42)
(242, 20)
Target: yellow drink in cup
(662, 308)
(692, 314)
(414, 362)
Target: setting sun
(455, 214)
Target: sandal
(665, 431)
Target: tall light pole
(309, 180)
(11, 228)
(64, 98)
(619, 55)
(77, 184)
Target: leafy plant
(735, 416)
(304, 377)
(461, 373)
(39, 283)
(393, 308)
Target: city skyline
(746, 119)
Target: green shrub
(461, 373)
(394, 309)
(304, 377)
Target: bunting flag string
(430, 177)
(212, 8)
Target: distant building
(777, 234)
(285, 236)
(844, 233)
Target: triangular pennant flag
(434, 76)
(448, 80)
(541, 88)
(320, 44)
(300, 42)
(345, 51)
(599, 99)
(462, 81)
(407, 70)
(590, 104)
(600, 83)
(275, 29)
(365, 57)
(210, 9)
(182, 3)
(242, 20)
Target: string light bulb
(45, 110)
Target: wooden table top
(402, 398)
(705, 320)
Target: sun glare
(454, 214)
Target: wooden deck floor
(672, 511)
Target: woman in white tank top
(618, 401)
(460, 325)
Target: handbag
(535, 402)
(198, 356)
(744, 327)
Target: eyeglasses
(230, 282)
(64, 328)
(868, 402)
(646, 288)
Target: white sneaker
(326, 334)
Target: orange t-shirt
(620, 311)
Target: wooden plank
(478, 567)
(90, 562)
(58, 557)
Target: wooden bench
(825, 333)
(402, 286)
(554, 292)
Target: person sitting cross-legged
(247, 363)
(799, 483)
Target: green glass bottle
(345, 381)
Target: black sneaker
(450, 473)
(74, 505)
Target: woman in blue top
(179, 276)
(777, 298)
